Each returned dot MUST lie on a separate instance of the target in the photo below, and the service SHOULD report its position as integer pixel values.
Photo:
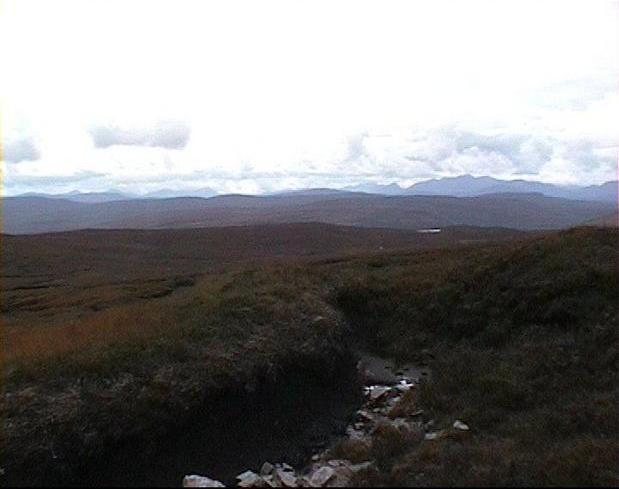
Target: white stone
(288, 479)
(322, 476)
(249, 479)
(459, 425)
(353, 432)
(359, 467)
(200, 481)
(342, 477)
(432, 436)
(270, 481)
(404, 386)
(378, 392)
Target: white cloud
(163, 134)
(18, 150)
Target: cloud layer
(402, 93)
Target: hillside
(520, 337)
(517, 211)
(49, 276)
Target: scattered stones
(387, 391)
(459, 425)
(200, 481)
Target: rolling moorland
(512, 210)
(125, 351)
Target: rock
(200, 481)
(341, 477)
(433, 436)
(322, 476)
(267, 468)
(419, 412)
(250, 479)
(364, 416)
(287, 467)
(379, 392)
(304, 482)
(459, 425)
(353, 432)
(404, 386)
(399, 423)
(287, 478)
(336, 462)
(359, 467)
(271, 481)
(315, 457)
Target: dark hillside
(26, 215)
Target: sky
(246, 96)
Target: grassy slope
(523, 338)
(524, 341)
(141, 371)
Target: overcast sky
(259, 96)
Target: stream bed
(287, 421)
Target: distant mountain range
(508, 210)
(115, 195)
(374, 188)
(461, 186)
(469, 186)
